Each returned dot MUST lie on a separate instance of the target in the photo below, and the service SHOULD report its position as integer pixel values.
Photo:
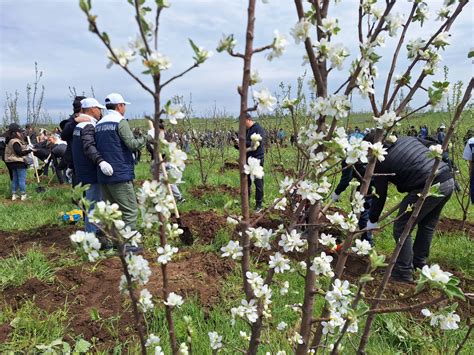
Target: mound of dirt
(46, 236)
(191, 275)
(203, 224)
(200, 191)
(231, 165)
(450, 225)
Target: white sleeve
(467, 155)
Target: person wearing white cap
(86, 157)
(116, 143)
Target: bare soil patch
(453, 225)
(47, 236)
(203, 224)
(230, 165)
(192, 275)
(200, 191)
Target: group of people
(100, 151)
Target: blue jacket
(113, 150)
(82, 143)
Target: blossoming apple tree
(324, 144)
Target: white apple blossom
(123, 57)
(246, 310)
(308, 190)
(89, 242)
(337, 54)
(145, 301)
(138, 268)
(215, 340)
(388, 119)
(328, 240)
(322, 48)
(173, 300)
(292, 241)
(426, 312)
(152, 340)
(362, 247)
(254, 279)
(279, 263)
(278, 46)
(301, 30)
(255, 77)
(284, 289)
(329, 25)
(378, 151)
(336, 218)
(357, 202)
(296, 338)
(434, 273)
(173, 112)
(157, 62)
(436, 150)
(244, 335)
(265, 100)
(232, 221)
(232, 249)
(282, 326)
(261, 236)
(132, 237)
(441, 40)
(322, 265)
(394, 21)
(227, 43)
(183, 349)
(443, 13)
(166, 254)
(450, 321)
(414, 46)
(253, 168)
(286, 184)
(105, 212)
(280, 204)
(339, 296)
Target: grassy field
(26, 322)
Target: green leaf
(84, 6)
(366, 278)
(453, 291)
(82, 346)
(470, 54)
(362, 309)
(421, 285)
(106, 37)
(194, 47)
(95, 314)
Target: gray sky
(55, 34)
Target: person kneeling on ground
(408, 165)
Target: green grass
(392, 334)
(17, 269)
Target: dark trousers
(415, 254)
(258, 188)
(472, 183)
(364, 218)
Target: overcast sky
(55, 34)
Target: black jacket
(260, 151)
(408, 160)
(88, 143)
(66, 135)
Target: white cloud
(55, 34)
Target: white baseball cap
(115, 98)
(90, 102)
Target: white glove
(69, 172)
(335, 197)
(151, 132)
(106, 168)
(371, 225)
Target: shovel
(187, 237)
(35, 166)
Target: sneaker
(181, 200)
(403, 278)
(14, 197)
(258, 209)
(23, 197)
(130, 249)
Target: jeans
(93, 194)
(415, 254)
(19, 180)
(258, 188)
